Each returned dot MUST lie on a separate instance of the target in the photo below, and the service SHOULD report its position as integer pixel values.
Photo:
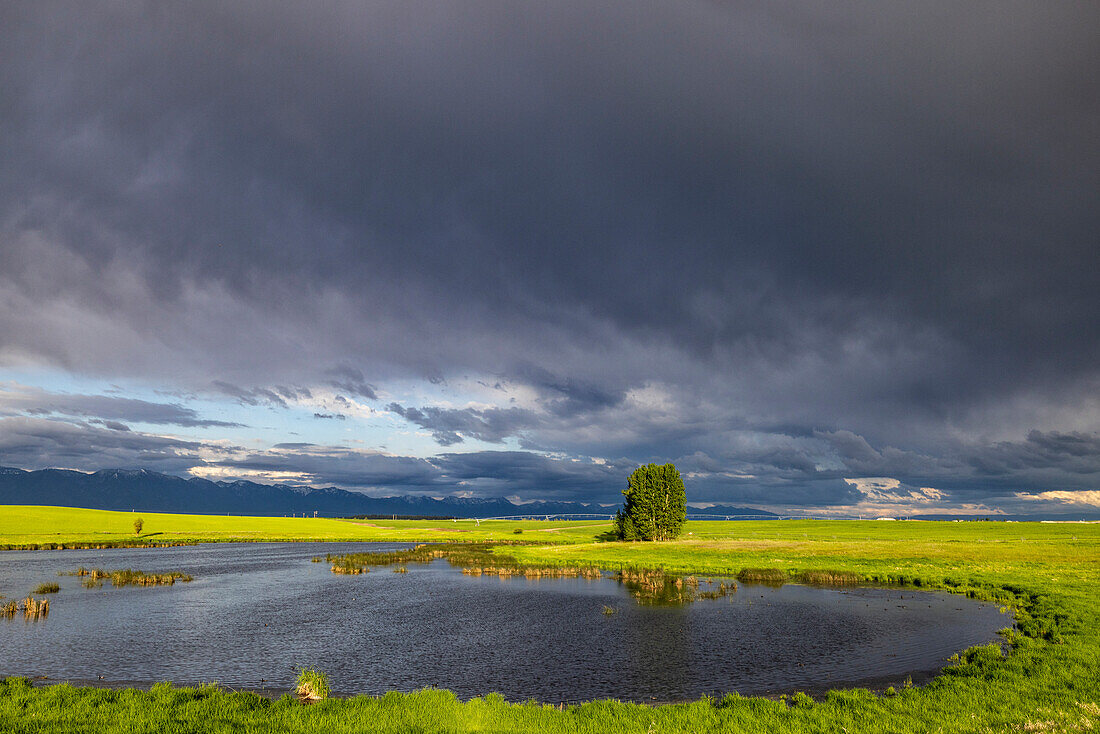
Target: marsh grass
(654, 586)
(766, 576)
(475, 559)
(94, 577)
(722, 590)
(36, 608)
(47, 588)
(32, 608)
(830, 578)
(311, 685)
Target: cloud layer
(788, 244)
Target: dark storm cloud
(351, 381)
(449, 425)
(256, 395)
(485, 473)
(567, 396)
(37, 443)
(113, 425)
(534, 476)
(872, 229)
(343, 467)
(35, 401)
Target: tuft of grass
(93, 577)
(768, 576)
(32, 608)
(608, 611)
(830, 578)
(48, 588)
(311, 685)
(475, 559)
(654, 586)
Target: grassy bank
(1048, 682)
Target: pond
(256, 611)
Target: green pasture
(32, 526)
(1047, 681)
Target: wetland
(255, 613)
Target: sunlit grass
(311, 685)
(1049, 574)
(32, 526)
(93, 577)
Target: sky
(827, 258)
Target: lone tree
(656, 504)
(138, 525)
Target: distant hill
(149, 491)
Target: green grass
(311, 685)
(32, 526)
(1048, 682)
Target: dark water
(256, 611)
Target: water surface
(256, 611)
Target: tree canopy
(655, 506)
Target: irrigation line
(690, 516)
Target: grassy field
(1048, 681)
(32, 526)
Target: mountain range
(149, 491)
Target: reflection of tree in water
(660, 642)
(652, 587)
(659, 653)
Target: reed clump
(48, 588)
(721, 591)
(93, 577)
(32, 608)
(535, 572)
(830, 578)
(36, 608)
(311, 686)
(654, 586)
(418, 554)
(93, 573)
(769, 576)
(475, 559)
(401, 569)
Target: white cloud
(1090, 497)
